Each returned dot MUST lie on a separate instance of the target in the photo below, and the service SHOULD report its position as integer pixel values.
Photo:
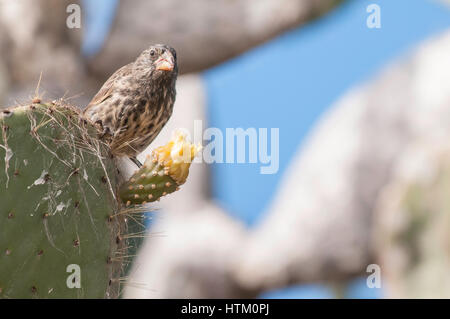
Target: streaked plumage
(136, 102)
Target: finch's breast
(139, 125)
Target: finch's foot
(135, 161)
(106, 133)
(105, 130)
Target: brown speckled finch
(136, 102)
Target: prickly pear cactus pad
(162, 173)
(61, 233)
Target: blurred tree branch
(205, 33)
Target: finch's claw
(106, 132)
(99, 123)
(135, 161)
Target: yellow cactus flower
(176, 156)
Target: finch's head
(160, 59)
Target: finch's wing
(107, 88)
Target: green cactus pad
(58, 207)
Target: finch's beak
(165, 62)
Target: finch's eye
(152, 52)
